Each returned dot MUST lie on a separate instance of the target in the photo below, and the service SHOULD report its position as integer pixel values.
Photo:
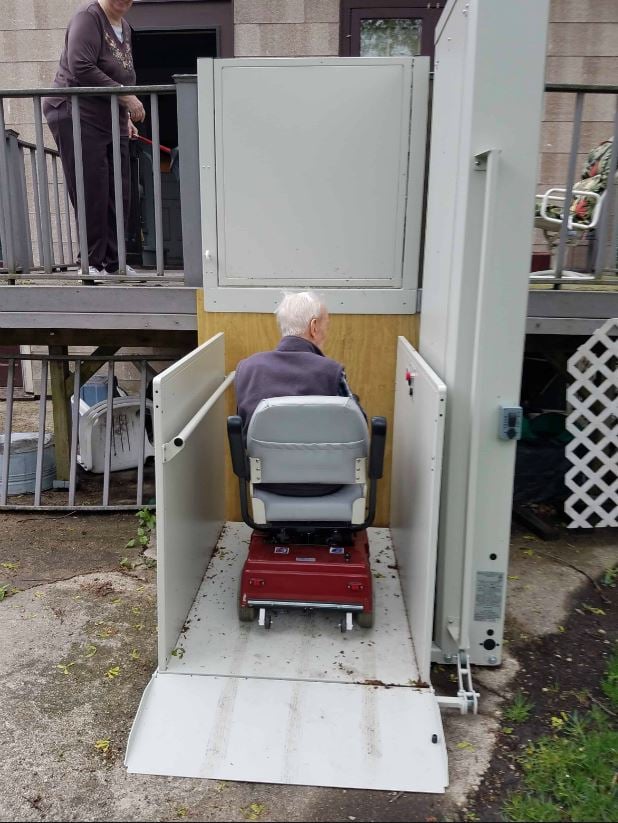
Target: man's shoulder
(253, 360)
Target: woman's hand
(133, 132)
(137, 113)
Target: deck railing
(98, 456)
(555, 216)
(34, 198)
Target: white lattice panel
(593, 422)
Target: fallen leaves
(593, 610)
(253, 811)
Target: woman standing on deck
(97, 52)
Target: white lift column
(488, 89)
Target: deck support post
(59, 372)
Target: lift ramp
(302, 703)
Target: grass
(571, 775)
(519, 710)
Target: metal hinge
(467, 700)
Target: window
(388, 28)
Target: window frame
(352, 12)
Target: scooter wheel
(365, 619)
(246, 614)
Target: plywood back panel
(365, 344)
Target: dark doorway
(168, 38)
(158, 55)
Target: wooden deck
(107, 314)
(575, 309)
(165, 312)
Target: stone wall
(31, 38)
(582, 48)
(286, 28)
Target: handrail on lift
(177, 444)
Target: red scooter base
(311, 575)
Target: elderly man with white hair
(297, 366)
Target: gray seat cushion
(336, 507)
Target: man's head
(303, 314)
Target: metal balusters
(109, 430)
(156, 177)
(122, 252)
(74, 431)
(8, 430)
(59, 236)
(610, 194)
(43, 188)
(6, 218)
(190, 206)
(67, 208)
(142, 435)
(568, 194)
(38, 483)
(37, 208)
(79, 185)
(28, 263)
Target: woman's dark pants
(98, 182)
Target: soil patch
(560, 672)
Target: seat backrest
(310, 439)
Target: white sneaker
(130, 271)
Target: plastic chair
(585, 211)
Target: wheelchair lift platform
(302, 702)
(239, 702)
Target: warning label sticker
(489, 593)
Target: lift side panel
(189, 520)
(291, 732)
(418, 436)
(486, 115)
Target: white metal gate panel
(190, 514)
(289, 731)
(418, 435)
(593, 421)
(312, 176)
(486, 115)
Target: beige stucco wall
(286, 28)
(31, 38)
(582, 48)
